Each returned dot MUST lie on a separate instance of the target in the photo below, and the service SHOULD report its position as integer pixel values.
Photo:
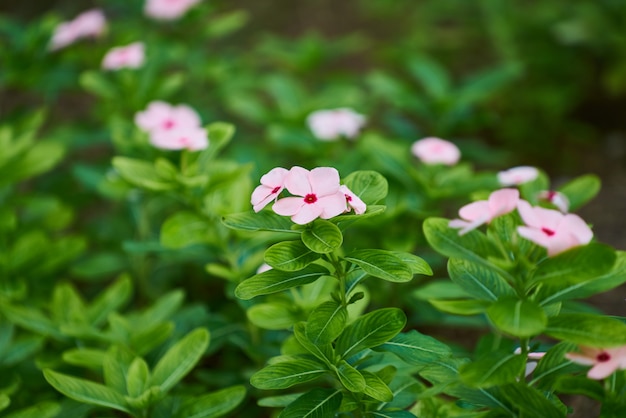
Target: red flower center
(276, 189)
(348, 198)
(310, 198)
(547, 231)
(168, 124)
(603, 356)
(551, 195)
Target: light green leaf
(322, 236)
(478, 281)
(86, 357)
(370, 186)
(180, 359)
(220, 134)
(323, 352)
(579, 385)
(289, 256)
(287, 373)
(183, 229)
(137, 377)
(273, 281)
(350, 377)
(40, 410)
(370, 330)
(415, 348)
(461, 307)
(529, 401)
(141, 174)
(417, 264)
(381, 264)
(115, 367)
(30, 319)
(326, 322)
(520, 318)
(273, 315)
(552, 365)
(376, 388)
(85, 391)
(317, 403)
(494, 369)
(213, 405)
(262, 221)
(111, 299)
(37, 159)
(580, 190)
(587, 329)
(5, 401)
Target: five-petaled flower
(605, 361)
(272, 183)
(353, 200)
(89, 24)
(549, 228)
(193, 138)
(517, 175)
(478, 213)
(436, 151)
(168, 9)
(557, 199)
(128, 56)
(329, 125)
(317, 194)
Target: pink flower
(605, 361)
(517, 175)
(329, 125)
(272, 184)
(163, 116)
(91, 23)
(263, 268)
(533, 359)
(477, 213)
(319, 195)
(551, 229)
(168, 9)
(353, 200)
(129, 56)
(558, 199)
(191, 137)
(436, 151)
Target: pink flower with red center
(436, 151)
(272, 183)
(481, 212)
(329, 125)
(168, 9)
(318, 195)
(353, 201)
(91, 23)
(549, 228)
(517, 175)
(605, 361)
(163, 116)
(558, 199)
(128, 56)
(192, 138)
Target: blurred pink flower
(319, 195)
(263, 268)
(353, 200)
(272, 183)
(329, 125)
(558, 199)
(436, 151)
(551, 229)
(605, 361)
(163, 116)
(533, 359)
(91, 23)
(193, 138)
(128, 56)
(477, 213)
(168, 9)
(517, 175)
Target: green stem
(524, 352)
(341, 276)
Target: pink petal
(332, 205)
(324, 181)
(465, 225)
(580, 359)
(602, 370)
(475, 210)
(275, 177)
(578, 228)
(503, 201)
(261, 196)
(185, 116)
(354, 201)
(288, 206)
(534, 235)
(434, 150)
(297, 181)
(517, 175)
(307, 213)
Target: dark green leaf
(520, 318)
(529, 401)
(578, 385)
(461, 307)
(322, 236)
(273, 281)
(141, 173)
(415, 348)
(185, 228)
(287, 373)
(262, 221)
(289, 256)
(326, 322)
(494, 369)
(317, 403)
(370, 330)
(381, 264)
(587, 329)
(477, 280)
(350, 377)
(376, 388)
(369, 186)
(214, 404)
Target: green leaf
(111, 299)
(415, 348)
(461, 307)
(587, 329)
(381, 264)
(493, 369)
(40, 410)
(287, 373)
(262, 221)
(115, 367)
(417, 264)
(581, 190)
(326, 322)
(578, 385)
(520, 318)
(322, 236)
(370, 330)
(85, 391)
(5, 401)
(376, 388)
(289, 256)
(95, 82)
(324, 352)
(273, 281)
(214, 404)
(477, 280)
(552, 365)
(529, 401)
(370, 186)
(38, 159)
(180, 359)
(273, 315)
(137, 377)
(85, 357)
(317, 403)
(350, 377)
(185, 228)
(220, 134)
(432, 75)
(31, 319)
(141, 174)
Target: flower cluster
(315, 194)
(128, 56)
(89, 24)
(330, 125)
(168, 9)
(172, 127)
(605, 361)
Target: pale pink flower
(605, 361)
(533, 360)
(436, 151)
(91, 23)
(517, 175)
(555, 231)
(481, 212)
(319, 195)
(163, 116)
(192, 138)
(329, 125)
(272, 183)
(353, 200)
(128, 56)
(263, 268)
(168, 9)
(558, 199)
